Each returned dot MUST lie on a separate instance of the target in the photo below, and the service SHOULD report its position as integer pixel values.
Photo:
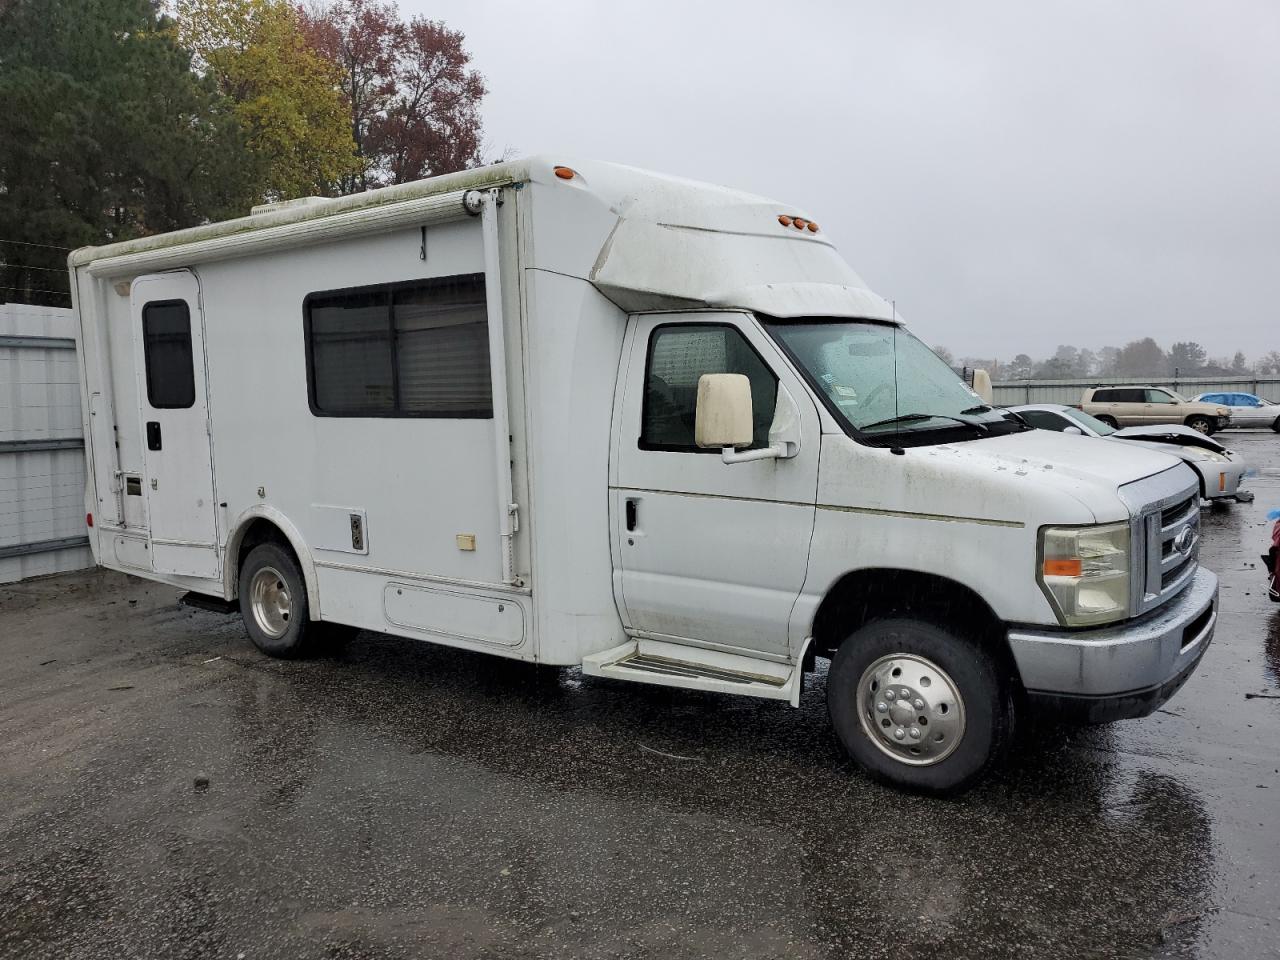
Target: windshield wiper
(911, 417)
(1017, 418)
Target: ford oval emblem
(1185, 540)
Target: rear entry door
(168, 335)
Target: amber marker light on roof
(800, 223)
(564, 173)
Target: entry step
(678, 665)
(202, 601)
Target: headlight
(1200, 453)
(1084, 571)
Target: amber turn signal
(564, 173)
(784, 220)
(1063, 568)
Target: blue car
(1247, 410)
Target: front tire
(273, 604)
(1110, 422)
(918, 707)
(1200, 425)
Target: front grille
(1171, 575)
(1165, 512)
(1178, 511)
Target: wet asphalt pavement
(166, 791)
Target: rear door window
(1043, 419)
(166, 342)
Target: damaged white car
(1221, 471)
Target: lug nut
(881, 707)
(889, 694)
(915, 733)
(899, 734)
(918, 703)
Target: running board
(693, 668)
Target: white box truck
(581, 414)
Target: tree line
(122, 118)
(1138, 358)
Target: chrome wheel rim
(911, 709)
(270, 601)
(1199, 426)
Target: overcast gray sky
(1016, 175)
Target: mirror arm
(731, 455)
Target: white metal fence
(42, 471)
(1009, 392)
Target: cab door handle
(153, 435)
(632, 511)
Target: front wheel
(1109, 421)
(917, 707)
(1200, 425)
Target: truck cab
(656, 430)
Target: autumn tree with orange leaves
(413, 97)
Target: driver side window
(1158, 396)
(679, 354)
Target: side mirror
(982, 386)
(1076, 430)
(723, 416)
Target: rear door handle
(632, 509)
(153, 435)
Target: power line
(61, 293)
(27, 243)
(26, 266)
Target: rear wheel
(1200, 424)
(1276, 426)
(273, 604)
(918, 707)
(1109, 421)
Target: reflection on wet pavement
(406, 800)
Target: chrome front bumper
(1123, 670)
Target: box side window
(679, 354)
(402, 350)
(166, 340)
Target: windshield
(1093, 423)
(885, 383)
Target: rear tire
(1110, 422)
(956, 706)
(273, 604)
(1200, 425)
(1276, 426)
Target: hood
(1170, 433)
(1082, 458)
(1026, 479)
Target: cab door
(707, 552)
(173, 404)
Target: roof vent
(261, 208)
